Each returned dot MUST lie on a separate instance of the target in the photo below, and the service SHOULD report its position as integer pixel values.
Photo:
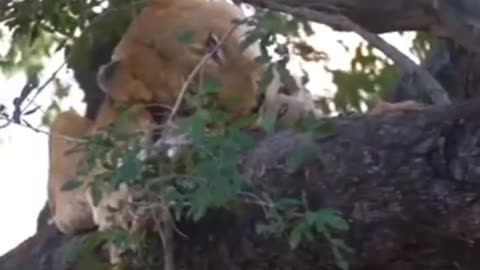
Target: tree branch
(375, 15)
(424, 79)
(406, 184)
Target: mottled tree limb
(461, 21)
(407, 184)
(333, 17)
(456, 20)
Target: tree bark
(375, 15)
(455, 22)
(407, 185)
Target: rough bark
(456, 63)
(407, 184)
(376, 15)
(455, 67)
(457, 19)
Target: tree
(400, 192)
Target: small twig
(41, 131)
(169, 244)
(166, 234)
(190, 78)
(67, 57)
(44, 85)
(257, 200)
(7, 123)
(194, 72)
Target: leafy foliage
(422, 44)
(206, 174)
(41, 28)
(369, 76)
(38, 26)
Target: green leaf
(96, 192)
(299, 157)
(119, 238)
(251, 38)
(296, 235)
(267, 78)
(336, 221)
(322, 129)
(120, 129)
(130, 170)
(288, 202)
(242, 139)
(273, 22)
(71, 185)
(245, 121)
(292, 27)
(268, 122)
(199, 201)
(265, 42)
(263, 59)
(86, 250)
(337, 246)
(344, 265)
(307, 27)
(340, 244)
(326, 218)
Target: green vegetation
(206, 175)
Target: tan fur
(112, 212)
(152, 68)
(69, 209)
(298, 105)
(154, 64)
(107, 115)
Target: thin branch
(41, 131)
(67, 57)
(44, 85)
(194, 72)
(426, 81)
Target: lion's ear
(106, 73)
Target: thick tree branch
(461, 19)
(458, 20)
(407, 184)
(424, 80)
(375, 15)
